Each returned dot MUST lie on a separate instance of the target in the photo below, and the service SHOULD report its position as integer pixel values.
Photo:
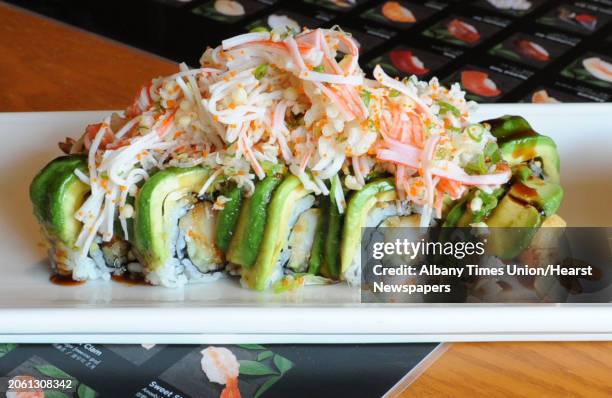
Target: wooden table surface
(512, 370)
(48, 66)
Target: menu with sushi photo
(190, 371)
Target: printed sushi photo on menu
(466, 31)
(511, 7)
(402, 14)
(537, 49)
(275, 198)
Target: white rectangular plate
(34, 310)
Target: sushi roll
(57, 195)
(268, 161)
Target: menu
(164, 371)
(497, 50)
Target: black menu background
(569, 31)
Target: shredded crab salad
(299, 99)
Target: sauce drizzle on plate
(63, 281)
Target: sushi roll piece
(57, 194)
(289, 201)
(168, 224)
(267, 162)
(367, 208)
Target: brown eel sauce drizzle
(65, 281)
(127, 280)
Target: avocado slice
(331, 266)
(544, 195)
(67, 194)
(39, 188)
(507, 126)
(524, 149)
(519, 143)
(284, 200)
(516, 223)
(329, 236)
(57, 194)
(359, 205)
(153, 211)
(317, 252)
(228, 218)
(251, 224)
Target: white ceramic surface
(34, 310)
